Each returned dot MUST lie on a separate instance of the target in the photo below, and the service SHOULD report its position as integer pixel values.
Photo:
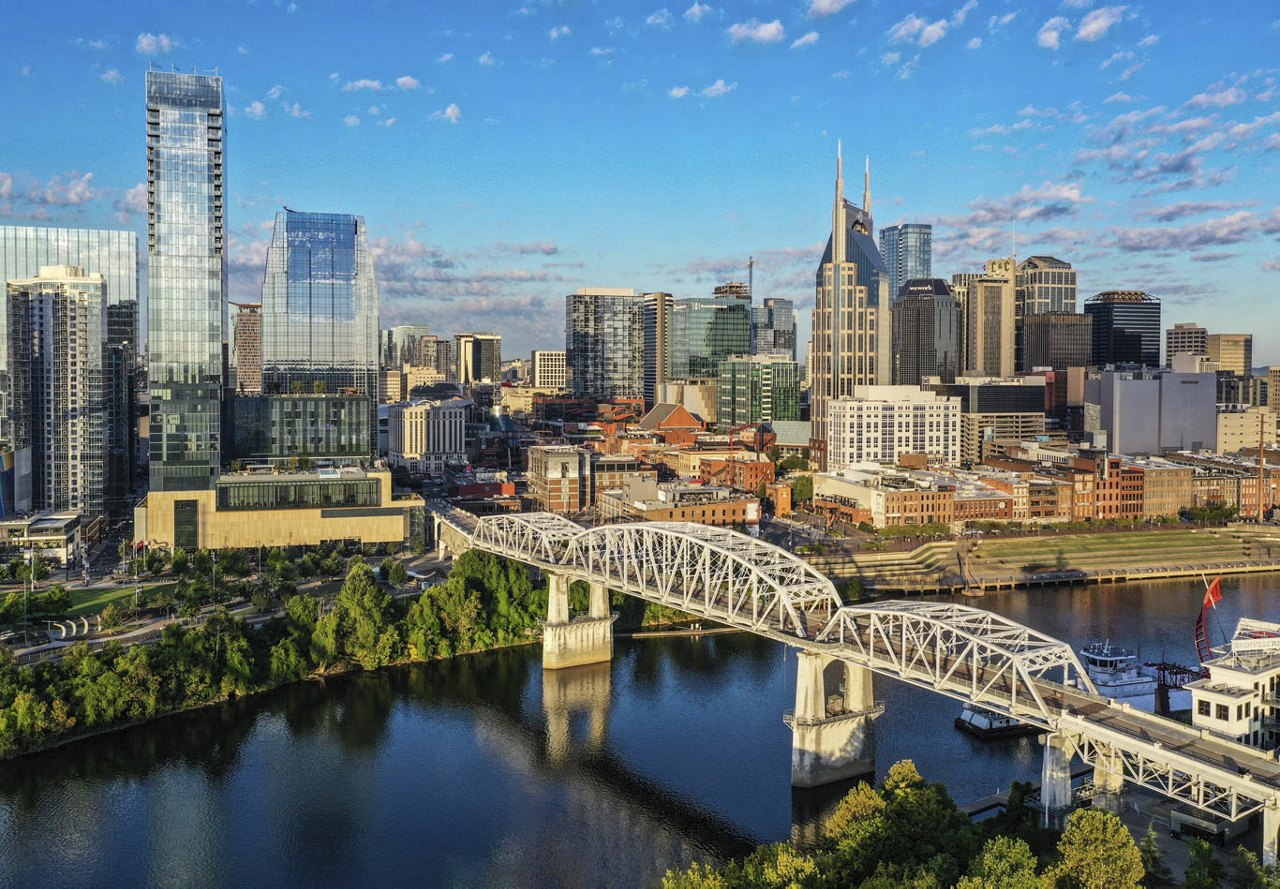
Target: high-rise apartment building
(186, 277)
(548, 369)
(657, 334)
(478, 357)
(928, 325)
(246, 347)
(1185, 338)
(757, 389)
(1232, 351)
(1126, 328)
(908, 253)
(24, 250)
(704, 331)
(852, 327)
(56, 337)
(773, 327)
(1057, 340)
(989, 300)
(605, 341)
(878, 424)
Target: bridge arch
(539, 538)
(709, 571)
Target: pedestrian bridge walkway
(965, 653)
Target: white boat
(989, 724)
(1115, 671)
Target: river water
(480, 772)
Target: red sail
(1213, 595)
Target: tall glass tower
(186, 277)
(908, 253)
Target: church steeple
(866, 188)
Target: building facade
(880, 423)
(56, 335)
(1046, 284)
(1126, 328)
(186, 278)
(424, 436)
(1233, 352)
(705, 331)
(990, 318)
(773, 327)
(852, 326)
(1152, 412)
(927, 328)
(403, 345)
(1057, 340)
(908, 253)
(657, 336)
(548, 369)
(605, 342)
(478, 357)
(246, 347)
(1185, 338)
(757, 388)
(559, 478)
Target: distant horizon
(507, 158)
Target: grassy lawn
(1095, 550)
(85, 602)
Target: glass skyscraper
(24, 250)
(320, 309)
(927, 332)
(908, 253)
(186, 277)
(605, 342)
(1126, 328)
(706, 330)
(773, 327)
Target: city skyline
(1130, 147)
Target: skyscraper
(1057, 340)
(404, 345)
(989, 316)
(1232, 351)
(757, 388)
(186, 277)
(547, 369)
(320, 310)
(56, 337)
(908, 253)
(1126, 328)
(605, 342)
(478, 356)
(1186, 338)
(927, 332)
(852, 341)
(246, 347)
(24, 250)
(773, 327)
(657, 333)
(1044, 284)
(704, 331)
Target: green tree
(1003, 863)
(179, 561)
(51, 604)
(1096, 851)
(156, 560)
(111, 617)
(793, 463)
(1204, 871)
(202, 563)
(1247, 872)
(361, 626)
(1157, 872)
(802, 489)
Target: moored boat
(992, 724)
(1114, 671)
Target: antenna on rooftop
(751, 278)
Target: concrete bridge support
(831, 746)
(1108, 784)
(583, 640)
(1270, 834)
(1055, 778)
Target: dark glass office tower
(186, 277)
(927, 328)
(1126, 328)
(908, 253)
(320, 310)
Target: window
(1222, 711)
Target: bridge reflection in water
(964, 653)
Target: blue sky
(505, 155)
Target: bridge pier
(1270, 834)
(831, 747)
(1108, 783)
(1055, 778)
(583, 640)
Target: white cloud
(842, 74)
(487, 59)
(389, 122)
(1050, 34)
(718, 89)
(445, 59)
(922, 32)
(375, 109)
(76, 190)
(819, 8)
(974, 43)
(1218, 97)
(255, 110)
(1117, 97)
(334, 76)
(112, 76)
(958, 17)
(451, 113)
(351, 120)
(756, 31)
(559, 31)
(132, 201)
(909, 68)
(363, 84)
(807, 40)
(275, 92)
(697, 11)
(242, 49)
(295, 110)
(1272, 142)
(1149, 40)
(601, 51)
(659, 19)
(154, 44)
(678, 92)
(408, 83)
(996, 22)
(1122, 56)
(1097, 23)
(890, 58)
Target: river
(472, 772)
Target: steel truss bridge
(965, 653)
